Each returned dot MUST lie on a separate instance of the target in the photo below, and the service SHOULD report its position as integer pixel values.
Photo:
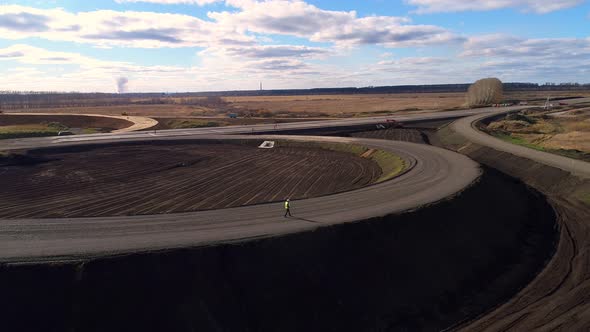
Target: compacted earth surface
(15, 126)
(166, 177)
(395, 134)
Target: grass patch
(391, 164)
(192, 123)
(574, 154)
(91, 131)
(520, 117)
(31, 130)
(348, 148)
(518, 141)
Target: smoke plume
(122, 84)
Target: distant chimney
(260, 86)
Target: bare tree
(485, 92)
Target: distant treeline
(32, 99)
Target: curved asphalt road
(466, 127)
(245, 129)
(433, 175)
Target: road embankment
(420, 270)
(558, 297)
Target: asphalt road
(408, 118)
(433, 175)
(465, 127)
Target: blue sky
(202, 45)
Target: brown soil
(539, 97)
(394, 134)
(134, 110)
(349, 104)
(416, 271)
(175, 123)
(343, 105)
(558, 298)
(71, 121)
(284, 106)
(136, 179)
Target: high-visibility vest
(286, 204)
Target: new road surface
(466, 127)
(433, 174)
(410, 118)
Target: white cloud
(406, 63)
(503, 46)
(540, 60)
(108, 28)
(42, 69)
(172, 2)
(104, 28)
(298, 18)
(27, 54)
(269, 51)
(537, 6)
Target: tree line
(35, 99)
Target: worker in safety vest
(287, 208)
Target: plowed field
(167, 178)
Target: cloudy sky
(204, 45)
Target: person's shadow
(303, 219)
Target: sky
(214, 45)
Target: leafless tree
(485, 92)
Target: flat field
(302, 106)
(283, 106)
(157, 178)
(200, 122)
(349, 105)
(15, 126)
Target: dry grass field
(349, 105)
(541, 96)
(285, 106)
(138, 110)
(565, 132)
(303, 106)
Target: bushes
(520, 117)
